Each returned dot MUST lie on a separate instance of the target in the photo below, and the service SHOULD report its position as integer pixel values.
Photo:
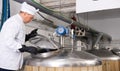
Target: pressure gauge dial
(61, 30)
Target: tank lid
(104, 54)
(66, 59)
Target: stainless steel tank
(64, 59)
(110, 62)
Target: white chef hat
(28, 8)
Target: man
(12, 39)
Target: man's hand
(32, 34)
(30, 49)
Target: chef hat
(28, 8)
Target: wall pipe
(5, 11)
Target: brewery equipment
(110, 62)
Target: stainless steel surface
(63, 57)
(104, 54)
(44, 42)
(116, 51)
(41, 41)
(46, 54)
(66, 58)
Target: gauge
(61, 30)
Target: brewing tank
(110, 62)
(63, 59)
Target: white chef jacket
(12, 36)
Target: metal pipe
(97, 39)
(5, 12)
(62, 41)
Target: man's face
(28, 17)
